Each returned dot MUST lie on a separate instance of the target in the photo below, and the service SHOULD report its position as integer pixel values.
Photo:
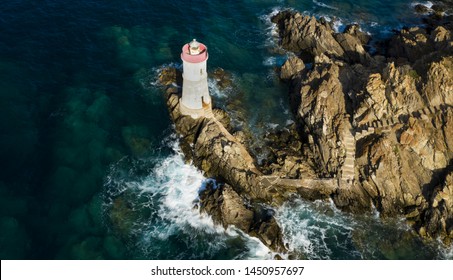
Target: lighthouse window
(201, 71)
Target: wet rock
(223, 78)
(438, 8)
(170, 76)
(122, 215)
(227, 208)
(421, 9)
(136, 139)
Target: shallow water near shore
(91, 167)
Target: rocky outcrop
(438, 88)
(291, 68)
(419, 44)
(382, 123)
(300, 34)
(227, 208)
(308, 37)
(370, 132)
(421, 9)
(389, 93)
(288, 155)
(437, 220)
(209, 144)
(322, 112)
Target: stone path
(387, 124)
(350, 136)
(348, 167)
(322, 186)
(208, 113)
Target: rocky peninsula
(374, 130)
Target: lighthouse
(195, 94)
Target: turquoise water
(90, 164)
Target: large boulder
(304, 34)
(228, 208)
(291, 68)
(390, 93)
(438, 219)
(353, 48)
(308, 37)
(322, 110)
(438, 88)
(421, 9)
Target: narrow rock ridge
(233, 163)
(208, 143)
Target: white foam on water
(289, 122)
(311, 228)
(338, 24)
(272, 125)
(427, 4)
(284, 107)
(270, 61)
(172, 189)
(445, 252)
(215, 91)
(375, 212)
(321, 4)
(271, 29)
(151, 80)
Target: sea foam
(170, 193)
(321, 4)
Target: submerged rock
(223, 78)
(421, 9)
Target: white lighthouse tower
(195, 94)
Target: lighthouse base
(194, 113)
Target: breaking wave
(158, 212)
(321, 4)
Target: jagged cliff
(384, 122)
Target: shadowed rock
(398, 109)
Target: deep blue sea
(90, 163)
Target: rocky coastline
(373, 131)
